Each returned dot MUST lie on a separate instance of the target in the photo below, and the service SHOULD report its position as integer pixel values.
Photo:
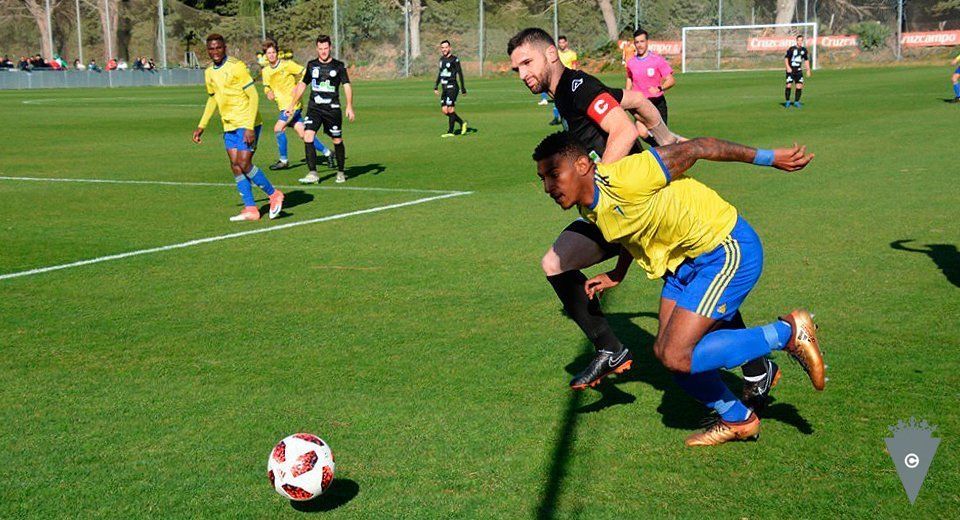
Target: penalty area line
(207, 240)
(221, 184)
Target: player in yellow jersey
(232, 91)
(280, 78)
(709, 257)
(569, 59)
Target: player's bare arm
(297, 93)
(610, 279)
(668, 82)
(680, 157)
(348, 93)
(622, 134)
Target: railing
(17, 79)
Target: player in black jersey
(795, 61)
(447, 76)
(325, 76)
(596, 115)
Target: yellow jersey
(659, 220)
(282, 79)
(226, 84)
(568, 57)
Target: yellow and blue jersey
(226, 84)
(659, 220)
(568, 57)
(281, 80)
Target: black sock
(584, 311)
(311, 156)
(786, 94)
(457, 118)
(341, 154)
(451, 119)
(796, 94)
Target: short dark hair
(560, 143)
(561, 37)
(323, 38)
(445, 41)
(529, 35)
(216, 37)
(641, 32)
(268, 43)
(799, 36)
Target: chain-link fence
(394, 38)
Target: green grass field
(423, 342)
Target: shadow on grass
(677, 409)
(342, 491)
(291, 199)
(356, 171)
(945, 256)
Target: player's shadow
(945, 256)
(677, 409)
(356, 171)
(291, 199)
(342, 491)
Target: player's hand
(598, 284)
(791, 159)
(196, 135)
(437, 92)
(350, 115)
(249, 137)
(654, 91)
(270, 95)
(288, 112)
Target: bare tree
(609, 19)
(416, 12)
(109, 11)
(785, 10)
(38, 10)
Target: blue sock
(556, 113)
(319, 146)
(956, 90)
(709, 389)
(282, 144)
(732, 348)
(543, 96)
(260, 179)
(245, 189)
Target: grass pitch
(422, 341)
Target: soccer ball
(301, 467)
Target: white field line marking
(218, 238)
(219, 184)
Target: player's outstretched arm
(622, 135)
(680, 157)
(208, 111)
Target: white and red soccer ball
(301, 467)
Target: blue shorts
(234, 140)
(715, 283)
(957, 71)
(293, 120)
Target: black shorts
(448, 97)
(331, 119)
(591, 231)
(661, 103)
(795, 77)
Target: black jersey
(583, 102)
(324, 80)
(796, 56)
(449, 72)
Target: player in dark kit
(447, 76)
(595, 114)
(795, 61)
(324, 75)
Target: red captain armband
(601, 106)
